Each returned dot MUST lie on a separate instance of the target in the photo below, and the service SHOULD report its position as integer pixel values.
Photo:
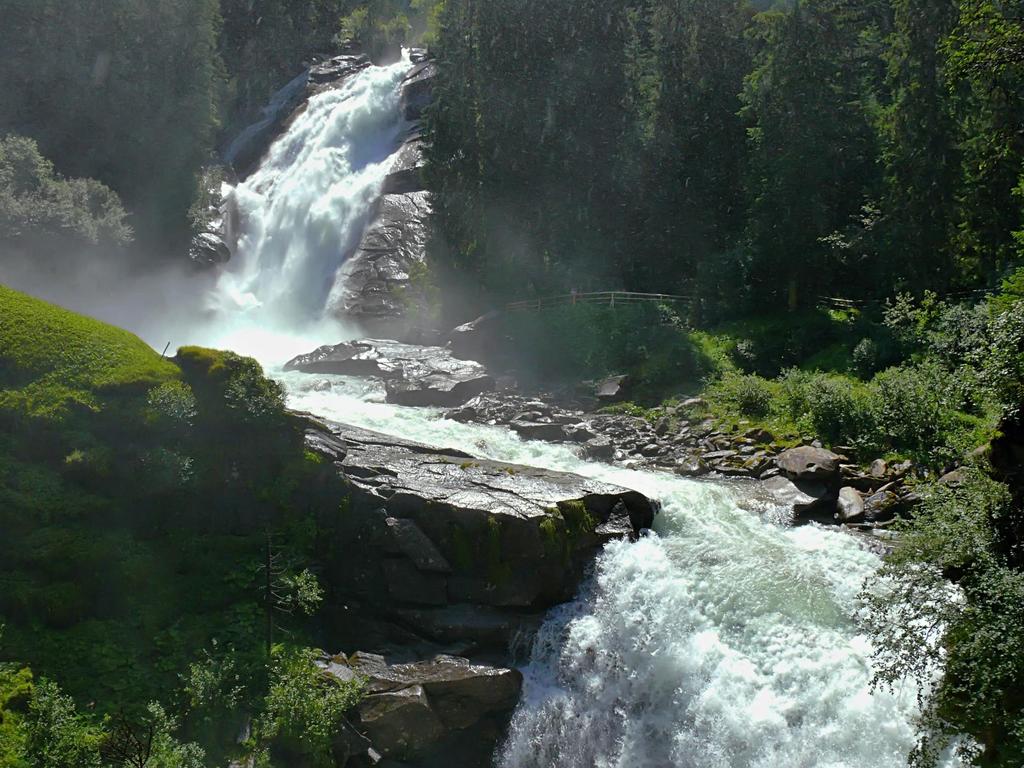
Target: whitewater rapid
(718, 641)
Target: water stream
(718, 641)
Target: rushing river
(717, 641)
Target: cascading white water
(719, 641)
(302, 212)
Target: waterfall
(303, 212)
(719, 641)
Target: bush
(830, 406)
(865, 358)
(1004, 364)
(909, 407)
(305, 705)
(747, 394)
(973, 636)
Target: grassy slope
(52, 359)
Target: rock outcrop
(413, 375)
(445, 711)
(433, 529)
(377, 285)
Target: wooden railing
(606, 298)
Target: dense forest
(835, 187)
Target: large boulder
(496, 534)
(413, 375)
(809, 463)
(612, 389)
(792, 502)
(440, 708)
(850, 508)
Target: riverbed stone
(413, 375)
(850, 505)
(797, 498)
(809, 463)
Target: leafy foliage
(304, 706)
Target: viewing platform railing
(607, 298)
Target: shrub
(747, 394)
(973, 635)
(1004, 364)
(835, 411)
(831, 406)
(865, 358)
(304, 705)
(909, 407)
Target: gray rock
(208, 249)
(506, 530)
(612, 389)
(953, 479)
(879, 468)
(410, 541)
(400, 723)
(474, 340)
(599, 448)
(406, 173)
(407, 584)
(417, 89)
(850, 506)
(798, 499)
(422, 710)
(413, 375)
(809, 463)
(374, 286)
(691, 466)
(881, 507)
(530, 430)
(579, 433)
(338, 68)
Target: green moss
(53, 361)
(556, 543)
(578, 519)
(498, 572)
(205, 362)
(462, 549)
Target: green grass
(52, 359)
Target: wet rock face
(417, 88)
(208, 250)
(413, 375)
(447, 708)
(376, 286)
(373, 284)
(437, 527)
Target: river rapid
(717, 641)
